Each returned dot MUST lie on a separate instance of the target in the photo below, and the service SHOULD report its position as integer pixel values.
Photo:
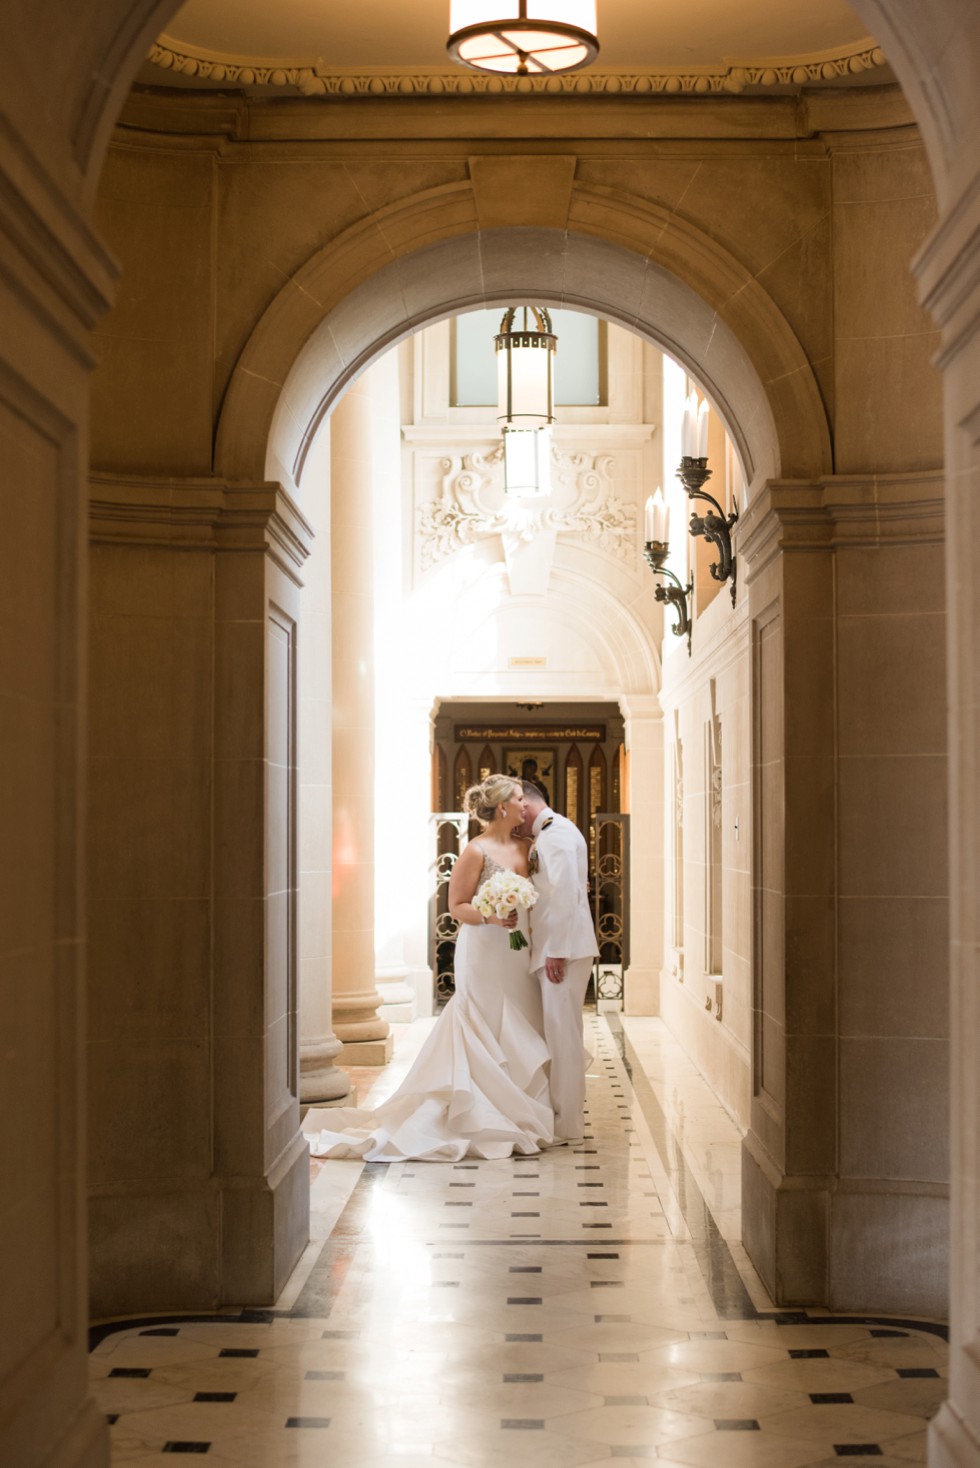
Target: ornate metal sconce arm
(715, 527)
(655, 554)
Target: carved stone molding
(199, 514)
(470, 505)
(310, 80)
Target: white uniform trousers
(562, 1006)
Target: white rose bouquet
(504, 893)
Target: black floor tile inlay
(215, 1396)
(858, 1450)
(133, 1371)
(307, 1421)
(186, 1447)
(243, 1352)
(831, 1399)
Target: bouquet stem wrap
(504, 893)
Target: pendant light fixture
(526, 398)
(523, 37)
(525, 368)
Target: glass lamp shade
(527, 462)
(525, 369)
(523, 37)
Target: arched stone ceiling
(390, 47)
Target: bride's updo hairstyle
(482, 800)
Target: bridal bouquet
(501, 895)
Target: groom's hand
(555, 969)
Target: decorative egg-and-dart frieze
(310, 79)
(470, 505)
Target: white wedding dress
(478, 1087)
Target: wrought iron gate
(451, 833)
(609, 888)
(610, 904)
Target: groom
(563, 946)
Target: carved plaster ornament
(310, 79)
(471, 505)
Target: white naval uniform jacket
(561, 922)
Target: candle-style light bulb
(659, 518)
(703, 411)
(689, 426)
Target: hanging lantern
(525, 369)
(527, 462)
(523, 37)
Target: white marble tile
(419, 1357)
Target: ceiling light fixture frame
(554, 45)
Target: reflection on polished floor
(588, 1305)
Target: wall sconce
(655, 552)
(716, 527)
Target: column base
(170, 1246)
(356, 1022)
(785, 1229)
(952, 1444)
(847, 1243)
(321, 1083)
(265, 1228)
(367, 1052)
(397, 1005)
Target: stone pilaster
(193, 1050)
(57, 282)
(949, 273)
(321, 1081)
(645, 747)
(845, 1175)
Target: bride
(478, 1087)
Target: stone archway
(673, 285)
(304, 354)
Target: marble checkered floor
(588, 1305)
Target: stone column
(321, 1081)
(395, 773)
(366, 1036)
(645, 743)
